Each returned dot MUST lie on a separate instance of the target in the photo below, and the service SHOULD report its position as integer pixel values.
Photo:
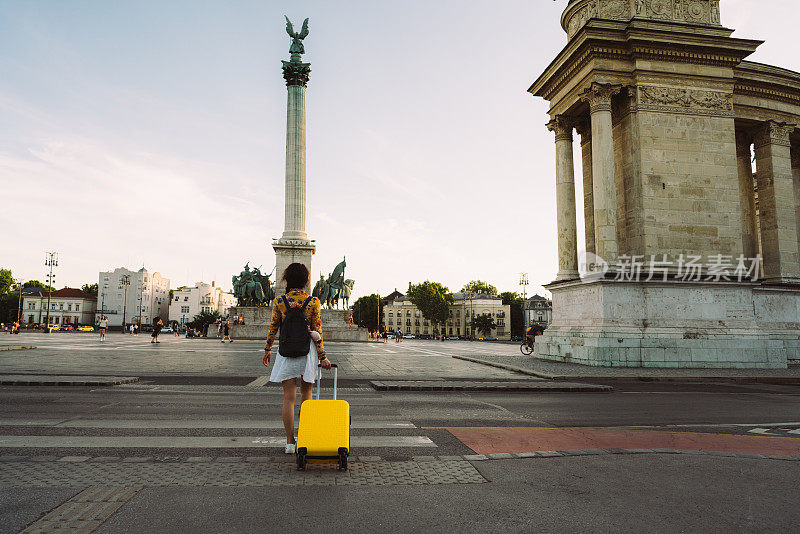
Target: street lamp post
(523, 281)
(125, 281)
(19, 306)
(50, 261)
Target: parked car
(53, 327)
(67, 327)
(167, 330)
(408, 336)
(453, 338)
(85, 328)
(489, 338)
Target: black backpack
(295, 334)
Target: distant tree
(484, 323)
(90, 288)
(432, 299)
(365, 311)
(37, 283)
(6, 280)
(479, 286)
(204, 318)
(515, 301)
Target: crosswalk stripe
(184, 423)
(259, 382)
(200, 442)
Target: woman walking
(226, 332)
(157, 325)
(287, 369)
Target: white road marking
(761, 431)
(183, 423)
(188, 442)
(259, 382)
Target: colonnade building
(681, 269)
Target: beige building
(67, 306)
(132, 297)
(538, 310)
(669, 115)
(190, 301)
(403, 314)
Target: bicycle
(526, 347)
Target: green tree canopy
(6, 280)
(484, 323)
(204, 318)
(90, 288)
(432, 299)
(479, 286)
(365, 311)
(37, 283)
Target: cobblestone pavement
(123, 355)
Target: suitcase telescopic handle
(335, 379)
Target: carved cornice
(683, 56)
(689, 101)
(296, 73)
(766, 91)
(562, 127)
(598, 95)
(579, 13)
(773, 133)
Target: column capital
(743, 141)
(562, 126)
(773, 133)
(598, 95)
(296, 73)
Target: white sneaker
(290, 448)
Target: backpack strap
(305, 304)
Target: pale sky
(153, 133)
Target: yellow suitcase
(324, 429)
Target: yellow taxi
(53, 327)
(85, 329)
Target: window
(416, 323)
(501, 322)
(391, 314)
(391, 322)
(30, 318)
(61, 306)
(53, 307)
(185, 299)
(416, 313)
(408, 323)
(408, 330)
(119, 295)
(69, 307)
(458, 313)
(408, 313)
(184, 309)
(177, 299)
(31, 305)
(77, 307)
(55, 320)
(425, 322)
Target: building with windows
(538, 311)
(132, 297)
(403, 314)
(67, 306)
(189, 301)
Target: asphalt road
(198, 452)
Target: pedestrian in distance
(226, 332)
(175, 331)
(102, 325)
(298, 317)
(130, 330)
(220, 328)
(157, 325)
(385, 334)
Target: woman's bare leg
(306, 390)
(289, 396)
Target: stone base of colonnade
(673, 324)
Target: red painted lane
(514, 439)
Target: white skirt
(288, 368)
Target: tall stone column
(294, 245)
(776, 202)
(747, 200)
(795, 150)
(565, 200)
(604, 188)
(584, 128)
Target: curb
(484, 385)
(65, 380)
(372, 459)
(20, 347)
(780, 380)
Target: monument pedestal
(288, 251)
(673, 324)
(256, 322)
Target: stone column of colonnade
(584, 129)
(795, 151)
(776, 202)
(747, 200)
(565, 200)
(604, 188)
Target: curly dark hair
(295, 276)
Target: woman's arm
(315, 319)
(274, 325)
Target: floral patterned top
(296, 298)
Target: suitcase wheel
(301, 458)
(342, 459)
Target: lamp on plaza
(523, 281)
(51, 260)
(125, 281)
